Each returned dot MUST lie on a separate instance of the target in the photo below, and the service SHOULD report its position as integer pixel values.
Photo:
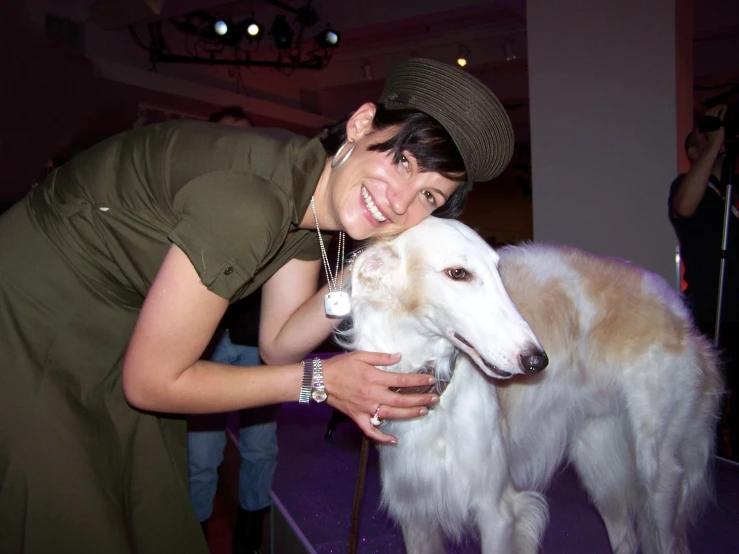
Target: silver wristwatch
(318, 392)
(312, 384)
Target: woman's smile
(374, 212)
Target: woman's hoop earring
(340, 157)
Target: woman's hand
(356, 387)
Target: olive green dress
(80, 470)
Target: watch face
(319, 395)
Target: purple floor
(315, 482)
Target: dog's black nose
(534, 362)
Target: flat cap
(468, 110)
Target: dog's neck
(441, 381)
(422, 352)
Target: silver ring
(375, 419)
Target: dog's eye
(458, 274)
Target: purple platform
(315, 485)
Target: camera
(730, 122)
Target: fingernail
(397, 355)
(394, 441)
(434, 399)
(432, 380)
(423, 411)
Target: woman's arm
(293, 321)
(162, 370)
(693, 186)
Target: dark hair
(425, 139)
(233, 111)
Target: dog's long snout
(534, 361)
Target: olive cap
(468, 110)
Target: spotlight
(254, 30)
(508, 52)
(464, 54)
(328, 38)
(282, 32)
(220, 27)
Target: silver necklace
(336, 302)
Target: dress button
(229, 270)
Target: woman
(116, 271)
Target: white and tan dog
(630, 397)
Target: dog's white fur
(630, 397)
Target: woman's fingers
(374, 433)
(405, 380)
(388, 411)
(360, 390)
(378, 358)
(409, 401)
(718, 110)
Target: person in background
(233, 115)
(236, 342)
(696, 208)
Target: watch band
(306, 386)
(318, 392)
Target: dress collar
(308, 162)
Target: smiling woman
(115, 272)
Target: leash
(358, 494)
(364, 455)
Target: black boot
(204, 527)
(248, 531)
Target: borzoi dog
(631, 395)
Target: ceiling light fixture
(254, 31)
(463, 56)
(282, 33)
(366, 68)
(231, 40)
(220, 27)
(508, 52)
(328, 38)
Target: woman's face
(373, 196)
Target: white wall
(602, 78)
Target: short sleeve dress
(81, 471)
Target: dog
(630, 399)
(630, 396)
(434, 293)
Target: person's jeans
(206, 441)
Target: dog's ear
(374, 268)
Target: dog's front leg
(496, 537)
(422, 538)
(495, 521)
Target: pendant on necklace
(337, 303)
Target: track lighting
(328, 38)
(366, 68)
(220, 27)
(281, 32)
(225, 39)
(254, 30)
(508, 52)
(463, 56)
